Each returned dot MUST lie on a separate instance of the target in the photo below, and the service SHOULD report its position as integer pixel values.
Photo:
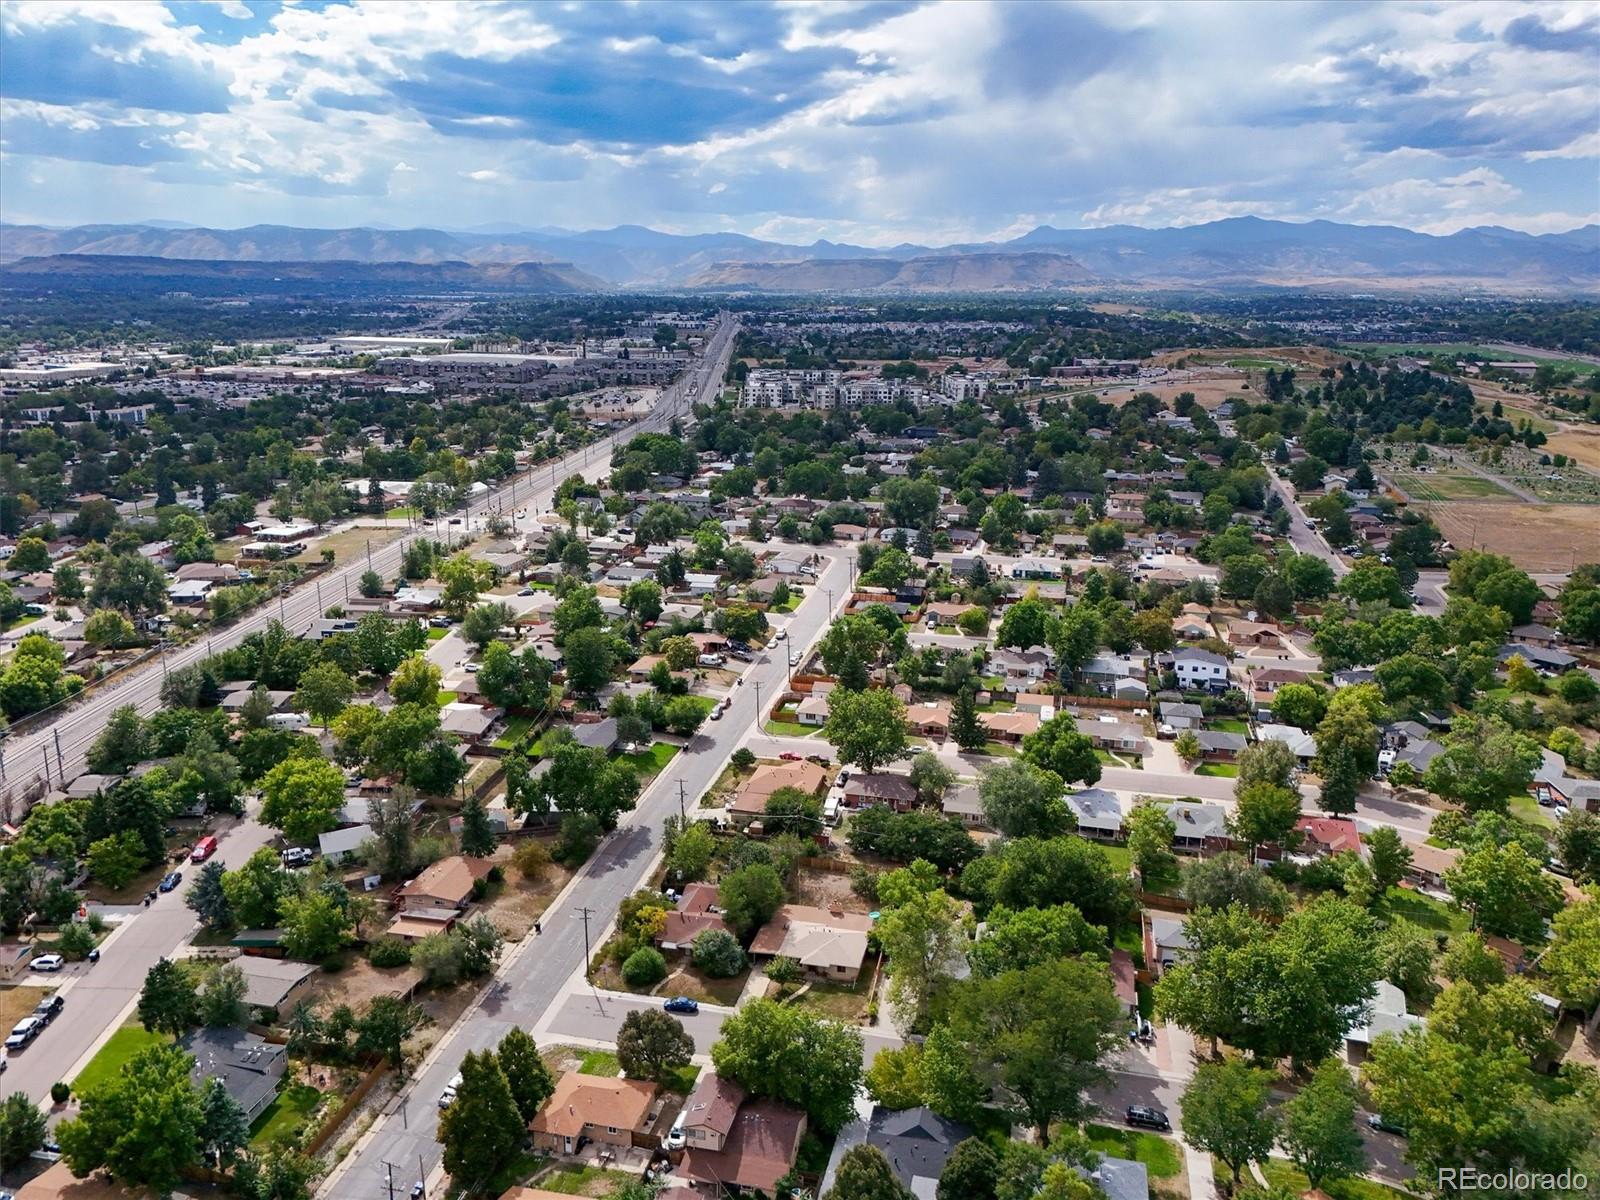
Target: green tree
(167, 1001)
(1021, 799)
(642, 599)
(1265, 812)
(1230, 878)
(718, 954)
(302, 797)
(415, 681)
(1269, 762)
(590, 659)
(481, 1129)
(966, 727)
(222, 997)
(463, 579)
(124, 742)
(1347, 756)
(1299, 704)
(653, 1045)
(1040, 1036)
(1506, 890)
(931, 777)
(22, 1129)
(1026, 624)
(1387, 855)
(324, 692)
(1405, 958)
(924, 940)
(1484, 761)
(315, 924)
(224, 1127)
(787, 1054)
(1189, 747)
(1226, 1113)
(130, 583)
(483, 623)
(1319, 1127)
(108, 629)
(385, 1026)
(1572, 962)
(866, 728)
(1150, 834)
(850, 649)
(142, 1126)
(750, 896)
(527, 1076)
(1058, 746)
(116, 859)
(865, 1174)
(970, 1173)
(478, 836)
(1014, 939)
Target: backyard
(283, 1119)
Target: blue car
(171, 880)
(682, 1004)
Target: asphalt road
(1302, 537)
(97, 996)
(540, 969)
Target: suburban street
(98, 996)
(543, 967)
(1302, 537)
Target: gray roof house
(916, 1141)
(249, 1067)
(1099, 813)
(1197, 823)
(1301, 743)
(1181, 714)
(1544, 659)
(1119, 1178)
(600, 735)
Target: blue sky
(874, 122)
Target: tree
(1014, 939)
(478, 836)
(1319, 1126)
(966, 727)
(116, 859)
(924, 940)
(1058, 746)
(1573, 960)
(1229, 878)
(930, 777)
(644, 967)
(1347, 756)
(1387, 855)
(581, 779)
(302, 797)
(1300, 704)
(22, 1129)
(1026, 623)
(1039, 1036)
(894, 1079)
(527, 1076)
(1405, 958)
(385, 1026)
(481, 1128)
(865, 1174)
(123, 743)
(224, 1127)
(222, 998)
(691, 852)
(131, 583)
(971, 1171)
(1225, 1112)
(1483, 762)
(1024, 872)
(590, 659)
(324, 692)
(1265, 812)
(849, 650)
(315, 924)
(867, 728)
(653, 1045)
(789, 1055)
(463, 579)
(1270, 762)
(142, 1125)
(718, 954)
(1151, 830)
(1189, 747)
(1506, 889)
(415, 681)
(1023, 800)
(749, 896)
(483, 623)
(30, 555)
(167, 1001)
(683, 715)
(108, 629)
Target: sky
(872, 122)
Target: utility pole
(588, 969)
(389, 1167)
(422, 1176)
(683, 814)
(61, 767)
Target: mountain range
(1237, 252)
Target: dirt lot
(1537, 537)
(823, 889)
(358, 984)
(350, 543)
(521, 903)
(18, 1002)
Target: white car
(780, 635)
(47, 962)
(473, 668)
(449, 1093)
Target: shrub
(530, 859)
(863, 882)
(59, 1091)
(718, 954)
(743, 759)
(76, 940)
(389, 952)
(644, 967)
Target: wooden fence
(335, 1119)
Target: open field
(350, 543)
(1447, 487)
(1537, 537)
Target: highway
(98, 996)
(540, 969)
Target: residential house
(435, 899)
(813, 709)
(697, 912)
(880, 787)
(1118, 1178)
(709, 1112)
(1552, 785)
(1114, 735)
(1384, 1013)
(1302, 744)
(752, 796)
(1035, 568)
(964, 804)
(1219, 745)
(929, 719)
(339, 845)
(1539, 636)
(1031, 664)
(1429, 864)
(1040, 704)
(916, 1141)
(248, 1066)
(1200, 670)
(760, 1148)
(1164, 940)
(1546, 660)
(1266, 682)
(597, 735)
(1324, 836)
(471, 723)
(1010, 727)
(1253, 633)
(1201, 828)
(270, 982)
(1351, 676)
(14, 959)
(1182, 715)
(1406, 742)
(940, 612)
(1099, 814)
(605, 1109)
(829, 944)
(1192, 629)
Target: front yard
(1160, 1155)
(837, 1001)
(1218, 770)
(650, 763)
(114, 1055)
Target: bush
(644, 968)
(59, 1091)
(718, 954)
(530, 859)
(76, 940)
(864, 882)
(389, 952)
(743, 759)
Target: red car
(789, 756)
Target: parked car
(297, 856)
(675, 1136)
(681, 1004)
(49, 1008)
(1382, 1124)
(171, 880)
(449, 1093)
(780, 635)
(439, 622)
(203, 849)
(472, 668)
(527, 591)
(23, 1032)
(1145, 1117)
(790, 756)
(47, 962)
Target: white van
(710, 660)
(289, 720)
(830, 808)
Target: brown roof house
(752, 797)
(602, 1108)
(433, 901)
(880, 788)
(696, 912)
(741, 1143)
(828, 943)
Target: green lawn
(1001, 749)
(1221, 770)
(20, 622)
(683, 1079)
(995, 706)
(704, 703)
(1229, 725)
(790, 729)
(580, 1181)
(437, 635)
(1121, 859)
(517, 1171)
(1158, 1154)
(599, 1062)
(653, 761)
(1431, 914)
(1284, 1175)
(516, 729)
(444, 698)
(1527, 810)
(285, 1116)
(114, 1055)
